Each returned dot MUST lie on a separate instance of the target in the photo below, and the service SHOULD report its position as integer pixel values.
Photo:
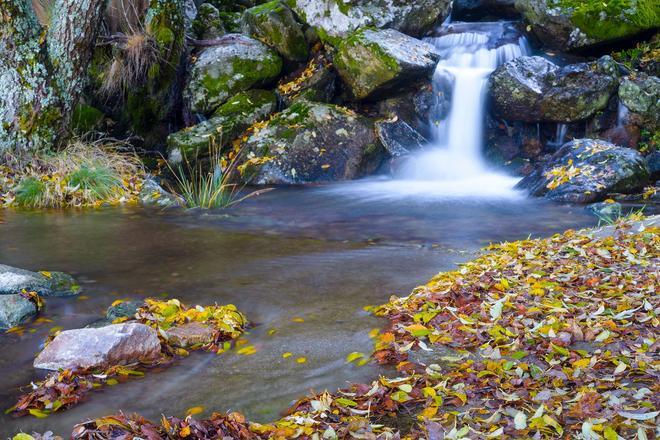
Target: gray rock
(399, 138)
(533, 89)
(417, 106)
(228, 122)
(220, 72)
(653, 164)
(607, 211)
(372, 61)
(14, 280)
(14, 310)
(116, 344)
(571, 29)
(317, 82)
(334, 20)
(273, 23)
(208, 23)
(124, 309)
(586, 170)
(641, 95)
(191, 333)
(153, 194)
(478, 9)
(310, 142)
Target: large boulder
(372, 61)
(220, 72)
(586, 170)
(572, 24)
(228, 122)
(14, 280)
(533, 89)
(15, 309)
(208, 23)
(273, 23)
(334, 20)
(641, 95)
(116, 344)
(419, 106)
(310, 142)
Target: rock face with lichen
(208, 23)
(14, 310)
(228, 121)
(533, 89)
(334, 20)
(572, 24)
(310, 142)
(641, 95)
(586, 170)
(372, 61)
(316, 82)
(222, 71)
(273, 23)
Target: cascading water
(453, 165)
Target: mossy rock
(222, 71)
(86, 118)
(334, 20)
(14, 310)
(640, 93)
(586, 171)
(14, 280)
(577, 24)
(228, 121)
(533, 89)
(208, 23)
(316, 82)
(273, 23)
(372, 61)
(310, 142)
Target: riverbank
(507, 345)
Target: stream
(317, 253)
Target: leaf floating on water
(298, 320)
(354, 356)
(301, 360)
(194, 410)
(288, 354)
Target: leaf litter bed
(546, 338)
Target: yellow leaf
(194, 410)
(301, 360)
(429, 412)
(288, 354)
(185, 432)
(297, 320)
(354, 356)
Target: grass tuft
(30, 192)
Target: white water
(453, 165)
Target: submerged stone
(273, 23)
(586, 170)
(14, 280)
(222, 71)
(228, 121)
(116, 344)
(371, 61)
(189, 334)
(310, 142)
(14, 310)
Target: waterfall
(468, 58)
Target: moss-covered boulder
(533, 89)
(14, 280)
(641, 95)
(586, 170)
(372, 61)
(317, 81)
(222, 71)
(273, 23)
(310, 142)
(228, 121)
(336, 19)
(576, 24)
(208, 23)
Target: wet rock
(399, 138)
(653, 164)
(14, 310)
(334, 20)
(116, 344)
(228, 121)
(311, 142)
(586, 170)
(641, 94)
(220, 72)
(208, 23)
(153, 194)
(372, 61)
(579, 27)
(273, 23)
(189, 334)
(478, 9)
(533, 89)
(608, 211)
(316, 82)
(14, 280)
(126, 309)
(417, 106)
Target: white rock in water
(116, 344)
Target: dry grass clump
(83, 174)
(130, 65)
